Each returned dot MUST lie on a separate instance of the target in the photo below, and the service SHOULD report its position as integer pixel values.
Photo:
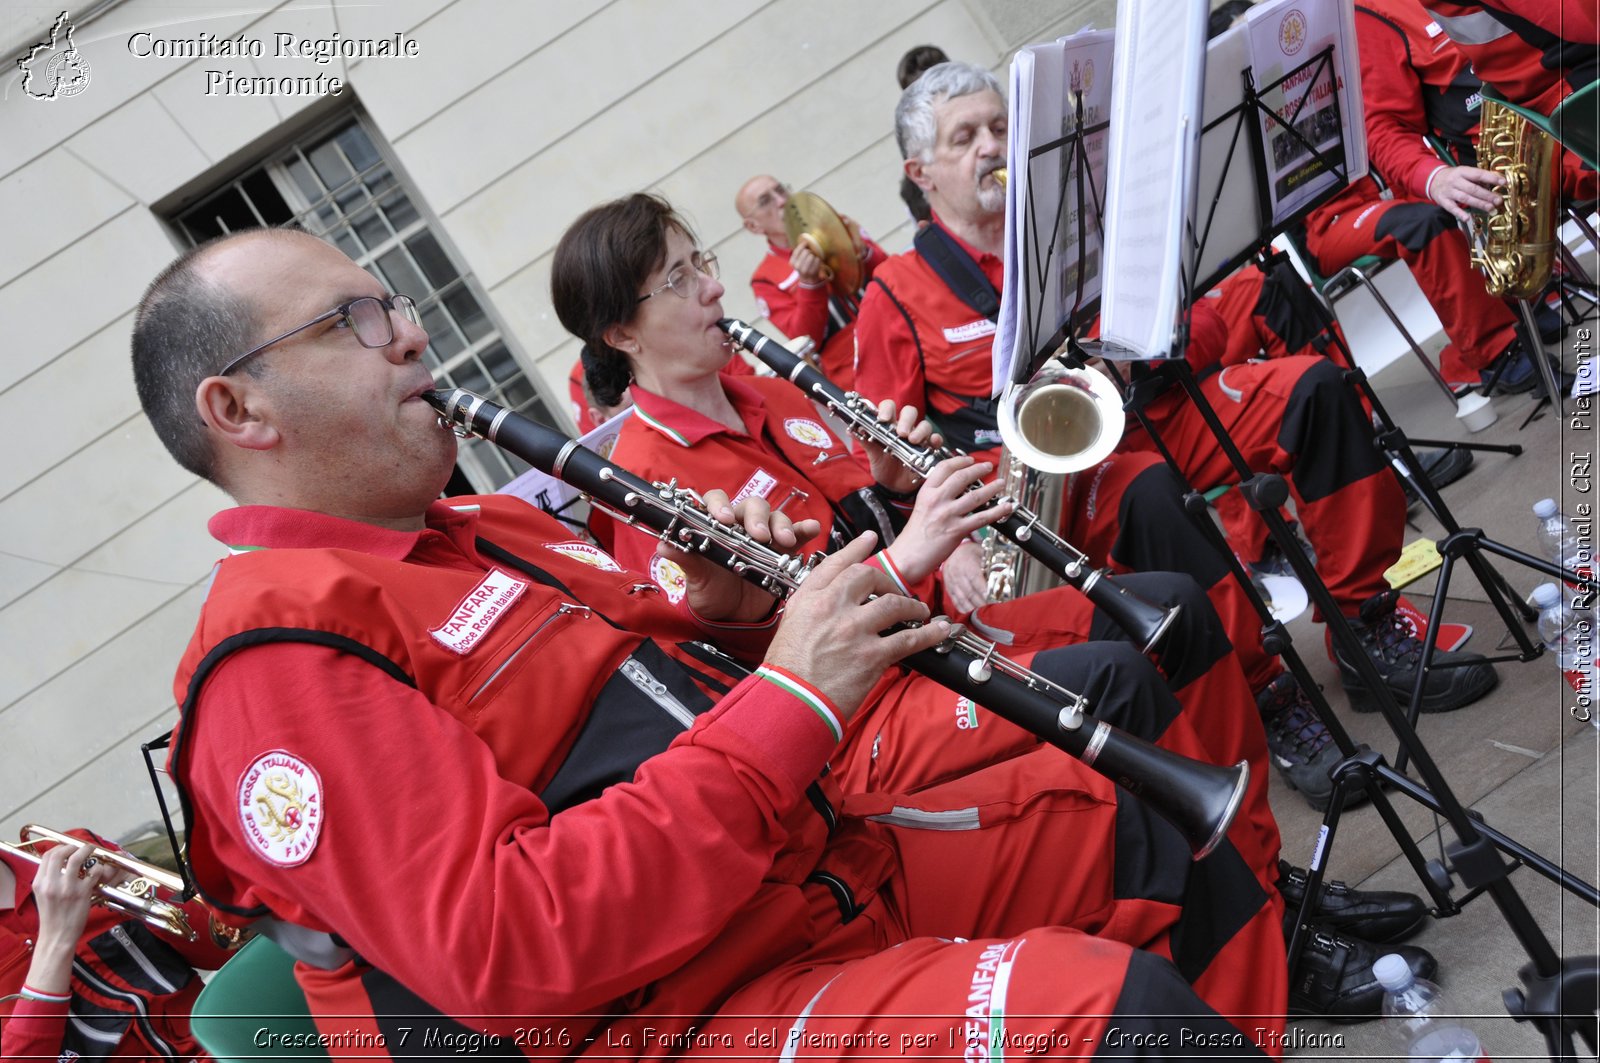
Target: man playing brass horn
(791, 285)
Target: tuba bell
(810, 222)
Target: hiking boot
(1455, 680)
(1379, 916)
(1335, 979)
(1302, 749)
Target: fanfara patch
(760, 485)
(809, 432)
(579, 550)
(479, 611)
(280, 807)
(669, 575)
(966, 714)
(972, 330)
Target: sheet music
(1041, 262)
(1283, 35)
(555, 496)
(1154, 152)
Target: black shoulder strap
(958, 270)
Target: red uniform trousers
(1426, 238)
(1011, 975)
(1128, 510)
(1350, 506)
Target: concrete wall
(513, 119)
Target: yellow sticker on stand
(1417, 560)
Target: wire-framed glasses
(368, 317)
(685, 279)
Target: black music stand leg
(1476, 857)
(1560, 1006)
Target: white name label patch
(280, 807)
(478, 612)
(759, 485)
(972, 330)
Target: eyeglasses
(367, 316)
(685, 279)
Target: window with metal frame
(338, 184)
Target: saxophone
(1515, 244)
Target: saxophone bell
(1063, 420)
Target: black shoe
(1274, 563)
(1443, 467)
(1335, 979)
(1380, 916)
(1456, 679)
(1514, 373)
(1302, 749)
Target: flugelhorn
(1145, 621)
(1198, 799)
(136, 897)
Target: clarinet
(1147, 622)
(1199, 799)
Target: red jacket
(388, 735)
(919, 344)
(1534, 52)
(132, 986)
(1414, 81)
(800, 309)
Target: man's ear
(751, 226)
(232, 408)
(919, 177)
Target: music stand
(1553, 983)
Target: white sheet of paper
(1153, 161)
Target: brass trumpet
(135, 897)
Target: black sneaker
(1274, 563)
(1514, 372)
(1302, 749)
(1335, 981)
(1456, 679)
(1373, 915)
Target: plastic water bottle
(1430, 1034)
(1557, 540)
(1568, 632)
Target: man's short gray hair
(915, 127)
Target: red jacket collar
(280, 528)
(687, 427)
(980, 257)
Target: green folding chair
(1572, 123)
(254, 993)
